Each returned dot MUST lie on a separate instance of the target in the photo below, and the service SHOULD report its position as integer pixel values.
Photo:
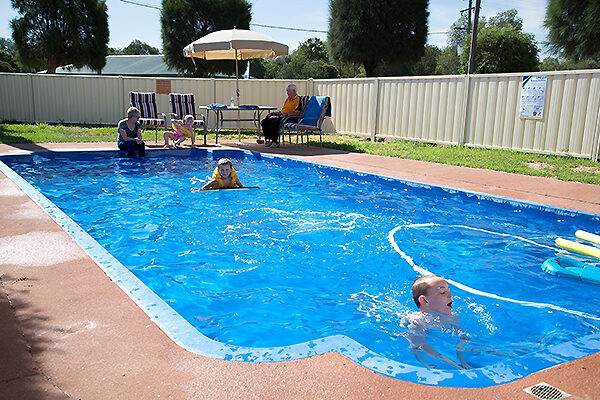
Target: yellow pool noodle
(590, 237)
(578, 247)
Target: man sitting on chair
(291, 108)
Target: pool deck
(68, 332)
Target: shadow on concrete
(20, 325)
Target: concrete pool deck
(67, 331)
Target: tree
(8, 62)
(136, 47)
(502, 50)
(554, 64)
(139, 47)
(372, 32)
(502, 46)
(183, 21)
(573, 28)
(309, 60)
(51, 33)
(428, 63)
(507, 19)
(8, 46)
(448, 62)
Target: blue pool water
(319, 252)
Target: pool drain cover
(546, 392)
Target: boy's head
(188, 119)
(431, 293)
(224, 165)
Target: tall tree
(183, 21)
(50, 33)
(573, 28)
(371, 32)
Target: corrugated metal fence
(476, 110)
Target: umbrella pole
(237, 91)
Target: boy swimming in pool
(432, 296)
(224, 176)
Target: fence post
(467, 117)
(596, 142)
(122, 84)
(375, 130)
(32, 97)
(310, 82)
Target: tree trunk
(52, 64)
(370, 66)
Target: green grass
(561, 167)
(61, 133)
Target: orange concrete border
(67, 331)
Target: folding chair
(146, 103)
(311, 119)
(184, 104)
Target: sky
(307, 14)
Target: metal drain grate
(546, 392)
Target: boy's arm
(209, 185)
(238, 183)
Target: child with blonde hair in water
(224, 176)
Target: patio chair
(311, 119)
(183, 104)
(146, 103)
(304, 102)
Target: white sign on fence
(533, 94)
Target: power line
(139, 3)
(289, 28)
(285, 28)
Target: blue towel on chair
(320, 100)
(248, 107)
(217, 105)
(314, 109)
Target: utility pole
(474, 38)
(470, 23)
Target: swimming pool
(321, 259)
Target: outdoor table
(219, 116)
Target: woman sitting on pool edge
(129, 137)
(224, 176)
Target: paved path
(68, 332)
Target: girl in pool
(224, 176)
(181, 132)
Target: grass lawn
(561, 167)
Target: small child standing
(224, 176)
(182, 131)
